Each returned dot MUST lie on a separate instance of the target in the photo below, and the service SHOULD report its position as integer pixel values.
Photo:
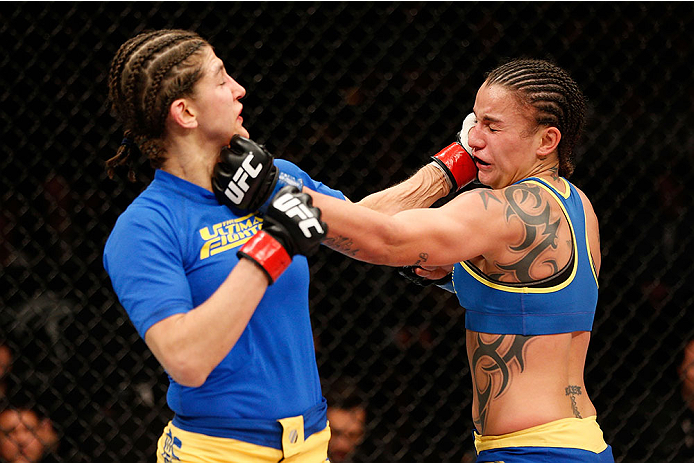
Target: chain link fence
(359, 95)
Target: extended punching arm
(457, 163)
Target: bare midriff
(525, 381)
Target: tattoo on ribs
(342, 244)
(519, 199)
(572, 391)
(493, 370)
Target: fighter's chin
(484, 179)
(243, 132)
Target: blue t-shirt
(168, 252)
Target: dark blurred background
(358, 95)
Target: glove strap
(267, 253)
(457, 164)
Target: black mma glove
(409, 273)
(245, 178)
(291, 226)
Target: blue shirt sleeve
(294, 170)
(143, 259)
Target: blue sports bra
(562, 303)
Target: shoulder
(487, 211)
(527, 199)
(587, 205)
(592, 229)
(149, 218)
(528, 209)
(294, 170)
(488, 198)
(486, 201)
(149, 208)
(288, 166)
(589, 212)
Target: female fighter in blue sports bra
(525, 256)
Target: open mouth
(481, 162)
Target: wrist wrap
(267, 253)
(457, 164)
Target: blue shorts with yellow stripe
(569, 440)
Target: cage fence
(359, 95)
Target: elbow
(382, 256)
(193, 382)
(189, 377)
(186, 371)
(183, 360)
(385, 247)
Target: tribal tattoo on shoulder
(487, 196)
(493, 368)
(527, 204)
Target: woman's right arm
(190, 345)
(142, 257)
(466, 227)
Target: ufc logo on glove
(293, 207)
(238, 186)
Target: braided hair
(557, 100)
(147, 74)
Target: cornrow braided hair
(555, 96)
(147, 74)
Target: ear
(549, 140)
(183, 114)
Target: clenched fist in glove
(291, 226)
(410, 274)
(245, 178)
(456, 160)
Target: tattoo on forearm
(519, 199)
(342, 244)
(572, 391)
(423, 257)
(494, 370)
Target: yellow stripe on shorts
(575, 433)
(177, 445)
